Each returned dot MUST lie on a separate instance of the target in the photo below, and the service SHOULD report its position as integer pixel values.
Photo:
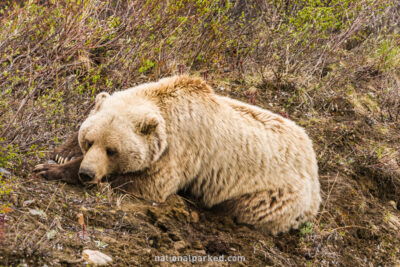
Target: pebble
(195, 216)
(96, 257)
(200, 252)
(179, 245)
(28, 202)
(4, 172)
(14, 199)
(197, 245)
(393, 204)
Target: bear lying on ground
(177, 134)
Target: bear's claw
(48, 171)
(63, 160)
(67, 152)
(60, 160)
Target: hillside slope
(332, 67)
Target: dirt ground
(43, 229)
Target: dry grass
(333, 68)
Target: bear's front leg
(69, 156)
(67, 172)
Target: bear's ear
(148, 125)
(100, 99)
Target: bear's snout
(86, 175)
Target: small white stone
(28, 202)
(393, 204)
(180, 245)
(96, 257)
(4, 172)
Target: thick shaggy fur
(158, 138)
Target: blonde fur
(219, 149)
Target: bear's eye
(111, 152)
(89, 144)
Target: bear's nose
(86, 175)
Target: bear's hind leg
(272, 210)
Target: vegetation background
(332, 66)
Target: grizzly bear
(177, 134)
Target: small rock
(165, 239)
(28, 202)
(175, 236)
(155, 214)
(394, 222)
(197, 245)
(96, 257)
(4, 172)
(83, 209)
(37, 212)
(100, 244)
(14, 199)
(109, 240)
(393, 204)
(51, 234)
(200, 252)
(180, 214)
(194, 216)
(179, 245)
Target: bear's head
(121, 135)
